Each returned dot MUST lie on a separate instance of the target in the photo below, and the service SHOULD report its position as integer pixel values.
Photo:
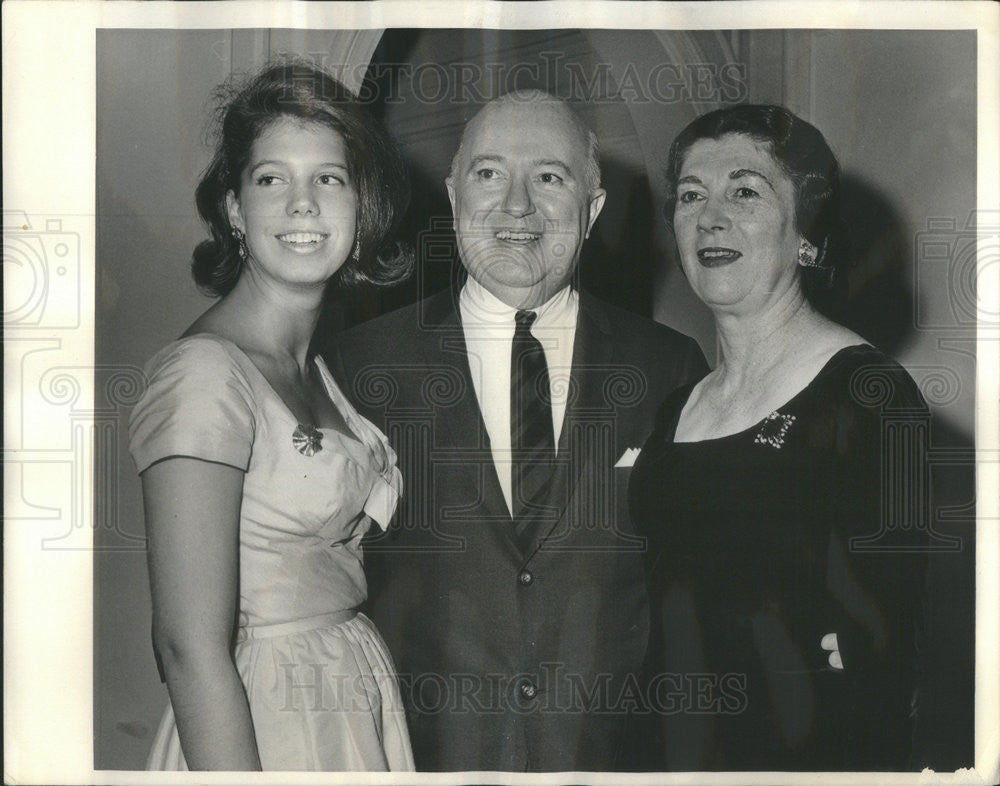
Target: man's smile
(517, 236)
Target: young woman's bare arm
(192, 521)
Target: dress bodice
(309, 495)
(763, 542)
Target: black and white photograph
(517, 391)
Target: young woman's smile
(297, 204)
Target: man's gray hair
(592, 175)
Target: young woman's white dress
(320, 683)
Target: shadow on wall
(879, 301)
(880, 306)
(427, 229)
(619, 262)
(944, 729)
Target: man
(510, 590)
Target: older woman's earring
(815, 259)
(241, 242)
(808, 254)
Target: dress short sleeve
(198, 404)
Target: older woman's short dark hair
(803, 155)
(296, 89)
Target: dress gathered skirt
(316, 699)
(320, 683)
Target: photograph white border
(49, 73)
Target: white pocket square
(829, 644)
(628, 457)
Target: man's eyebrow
(552, 162)
(689, 179)
(486, 158)
(736, 174)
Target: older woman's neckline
(828, 362)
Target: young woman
(259, 479)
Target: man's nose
(517, 201)
(302, 200)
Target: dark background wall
(898, 108)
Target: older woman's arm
(192, 519)
(878, 557)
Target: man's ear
(233, 211)
(596, 205)
(449, 184)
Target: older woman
(782, 578)
(259, 479)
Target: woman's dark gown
(760, 544)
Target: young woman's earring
(241, 241)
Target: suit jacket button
(528, 689)
(526, 577)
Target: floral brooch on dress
(773, 430)
(307, 440)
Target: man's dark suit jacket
(511, 660)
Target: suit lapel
(464, 434)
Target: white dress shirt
(488, 324)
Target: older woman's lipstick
(717, 256)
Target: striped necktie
(531, 437)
